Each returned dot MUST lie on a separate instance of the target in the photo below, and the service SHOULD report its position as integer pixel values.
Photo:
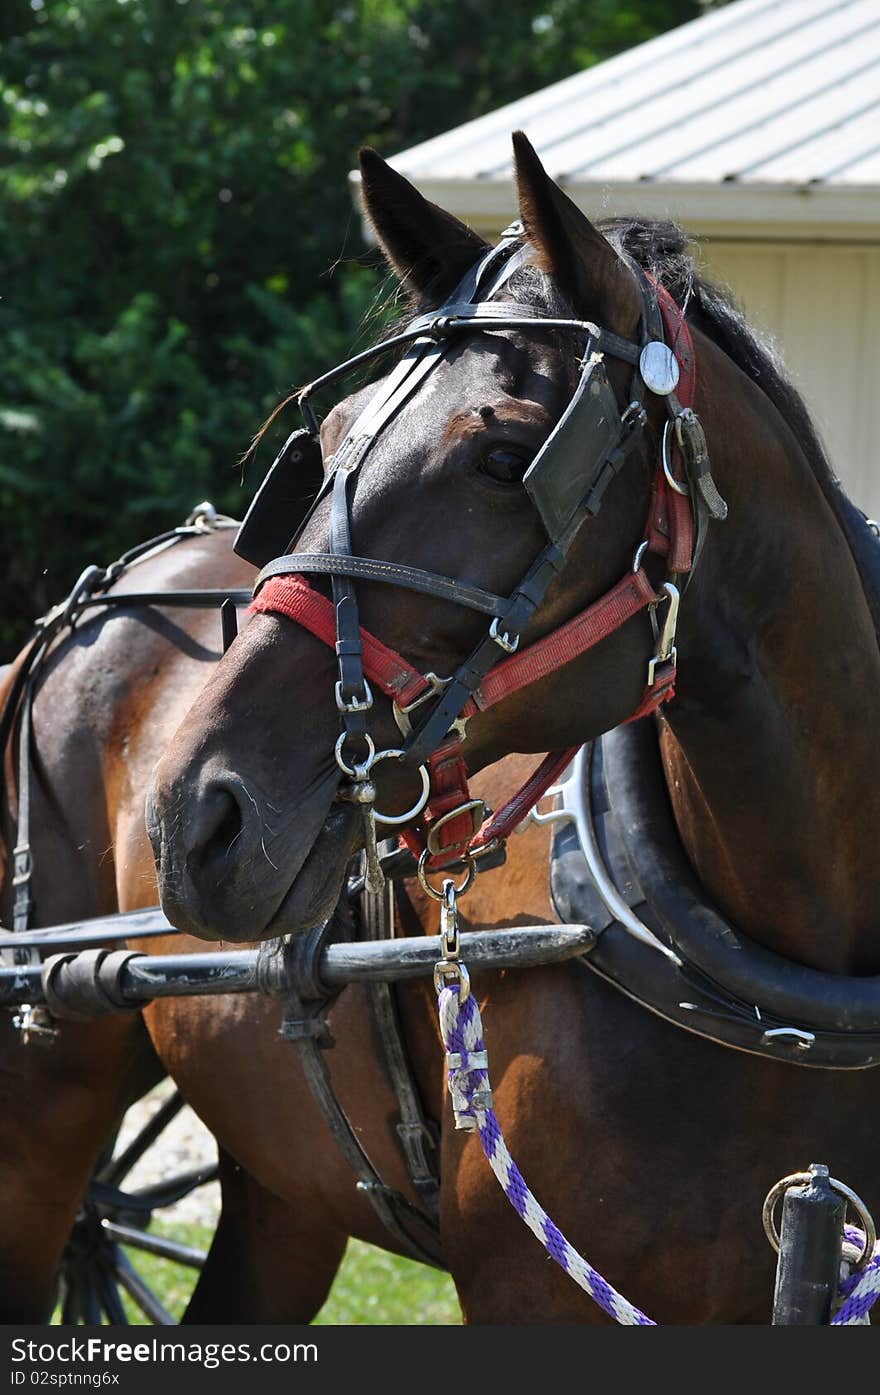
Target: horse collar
(710, 979)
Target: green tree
(177, 242)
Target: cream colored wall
(821, 305)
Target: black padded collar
(728, 988)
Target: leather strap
(392, 573)
(418, 1137)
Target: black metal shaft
(144, 977)
(810, 1241)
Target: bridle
(566, 481)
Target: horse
(112, 693)
(652, 1146)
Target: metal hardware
(358, 771)
(670, 478)
(448, 970)
(33, 1020)
(401, 714)
(801, 1039)
(666, 652)
(659, 368)
(803, 1178)
(638, 555)
(395, 820)
(575, 803)
(354, 704)
(477, 810)
(432, 890)
(503, 639)
(810, 1251)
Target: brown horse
(651, 1147)
(288, 1199)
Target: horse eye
(504, 465)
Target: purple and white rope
(860, 1291)
(468, 1080)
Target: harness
(567, 482)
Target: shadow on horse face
(249, 839)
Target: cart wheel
(95, 1267)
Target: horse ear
(428, 248)
(583, 263)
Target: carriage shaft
(129, 980)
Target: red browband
(669, 532)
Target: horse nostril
(216, 825)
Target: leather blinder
(561, 477)
(283, 501)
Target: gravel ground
(184, 1144)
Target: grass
(372, 1287)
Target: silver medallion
(659, 368)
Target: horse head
(250, 834)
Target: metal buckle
(502, 638)
(666, 651)
(401, 714)
(355, 704)
(477, 810)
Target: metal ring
(452, 970)
(432, 891)
(855, 1201)
(357, 772)
(670, 478)
(394, 820)
(471, 807)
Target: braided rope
(860, 1291)
(461, 1028)
(468, 1081)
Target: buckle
(355, 704)
(401, 714)
(502, 638)
(477, 810)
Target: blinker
(572, 469)
(283, 501)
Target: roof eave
(708, 207)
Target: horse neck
(770, 749)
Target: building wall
(820, 304)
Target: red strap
(670, 529)
(631, 594)
(678, 337)
(292, 596)
(499, 827)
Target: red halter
(448, 829)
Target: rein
(566, 481)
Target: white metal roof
(764, 110)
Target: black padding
(560, 477)
(283, 501)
